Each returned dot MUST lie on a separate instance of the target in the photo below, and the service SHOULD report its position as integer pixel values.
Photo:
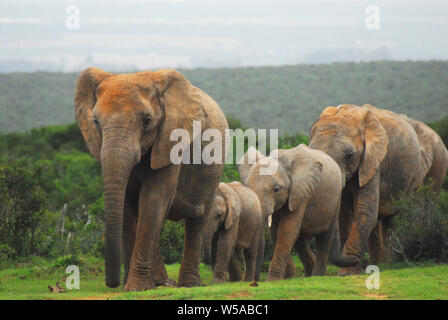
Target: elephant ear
(305, 172)
(85, 100)
(426, 150)
(247, 161)
(330, 111)
(376, 143)
(233, 204)
(182, 105)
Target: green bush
(171, 242)
(420, 226)
(22, 205)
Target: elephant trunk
(207, 247)
(117, 161)
(336, 255)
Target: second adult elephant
(235, 222)
(302, 192)
(381, 154)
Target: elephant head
(123, 117)
(293, 183)
(225, 210)
(353, 137)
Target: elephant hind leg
(235, 273)
(250, 261)
(306, 255)
(290, 269)
(323, 245)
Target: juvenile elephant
(380, 154)
(303, 196)
(235, 222)
(126, 121)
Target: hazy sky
(191, 33)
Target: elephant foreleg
(156, 197)
(286, 235)
(364, 221)
(225, 248)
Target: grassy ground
(31, 280)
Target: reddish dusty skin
(303, 196)
(235, 222)
(126, 121)
(381, 154)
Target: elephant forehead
(119, 94)
(341, 125)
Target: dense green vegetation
(289, 98)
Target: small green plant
(71, 259)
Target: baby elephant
(235, 222)
(301, 188)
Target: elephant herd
(335, 190)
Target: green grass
(30, 281)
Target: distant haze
(130, 35)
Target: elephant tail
(336, 255)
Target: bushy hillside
(289, 97)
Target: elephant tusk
(269, 221)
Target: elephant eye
(146, 120)
(95, 121)
(276, 188)
(349, 156)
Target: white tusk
(269, 221)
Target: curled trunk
(336, 255)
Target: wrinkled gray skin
(235, 222)
(126, 121)
(303, 196)
(381, 154)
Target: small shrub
(420, 226)
(71, 259)
(22, 204)
(171, 243)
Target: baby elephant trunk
(337, 257)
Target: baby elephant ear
(305, 172)
(247, 161)
(233, 205)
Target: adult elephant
(381, 154)
(126, 121)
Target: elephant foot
(138, 285)
(218, 280)
(274, 278)
(190, 283)
(350, 271)
(167, 283)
